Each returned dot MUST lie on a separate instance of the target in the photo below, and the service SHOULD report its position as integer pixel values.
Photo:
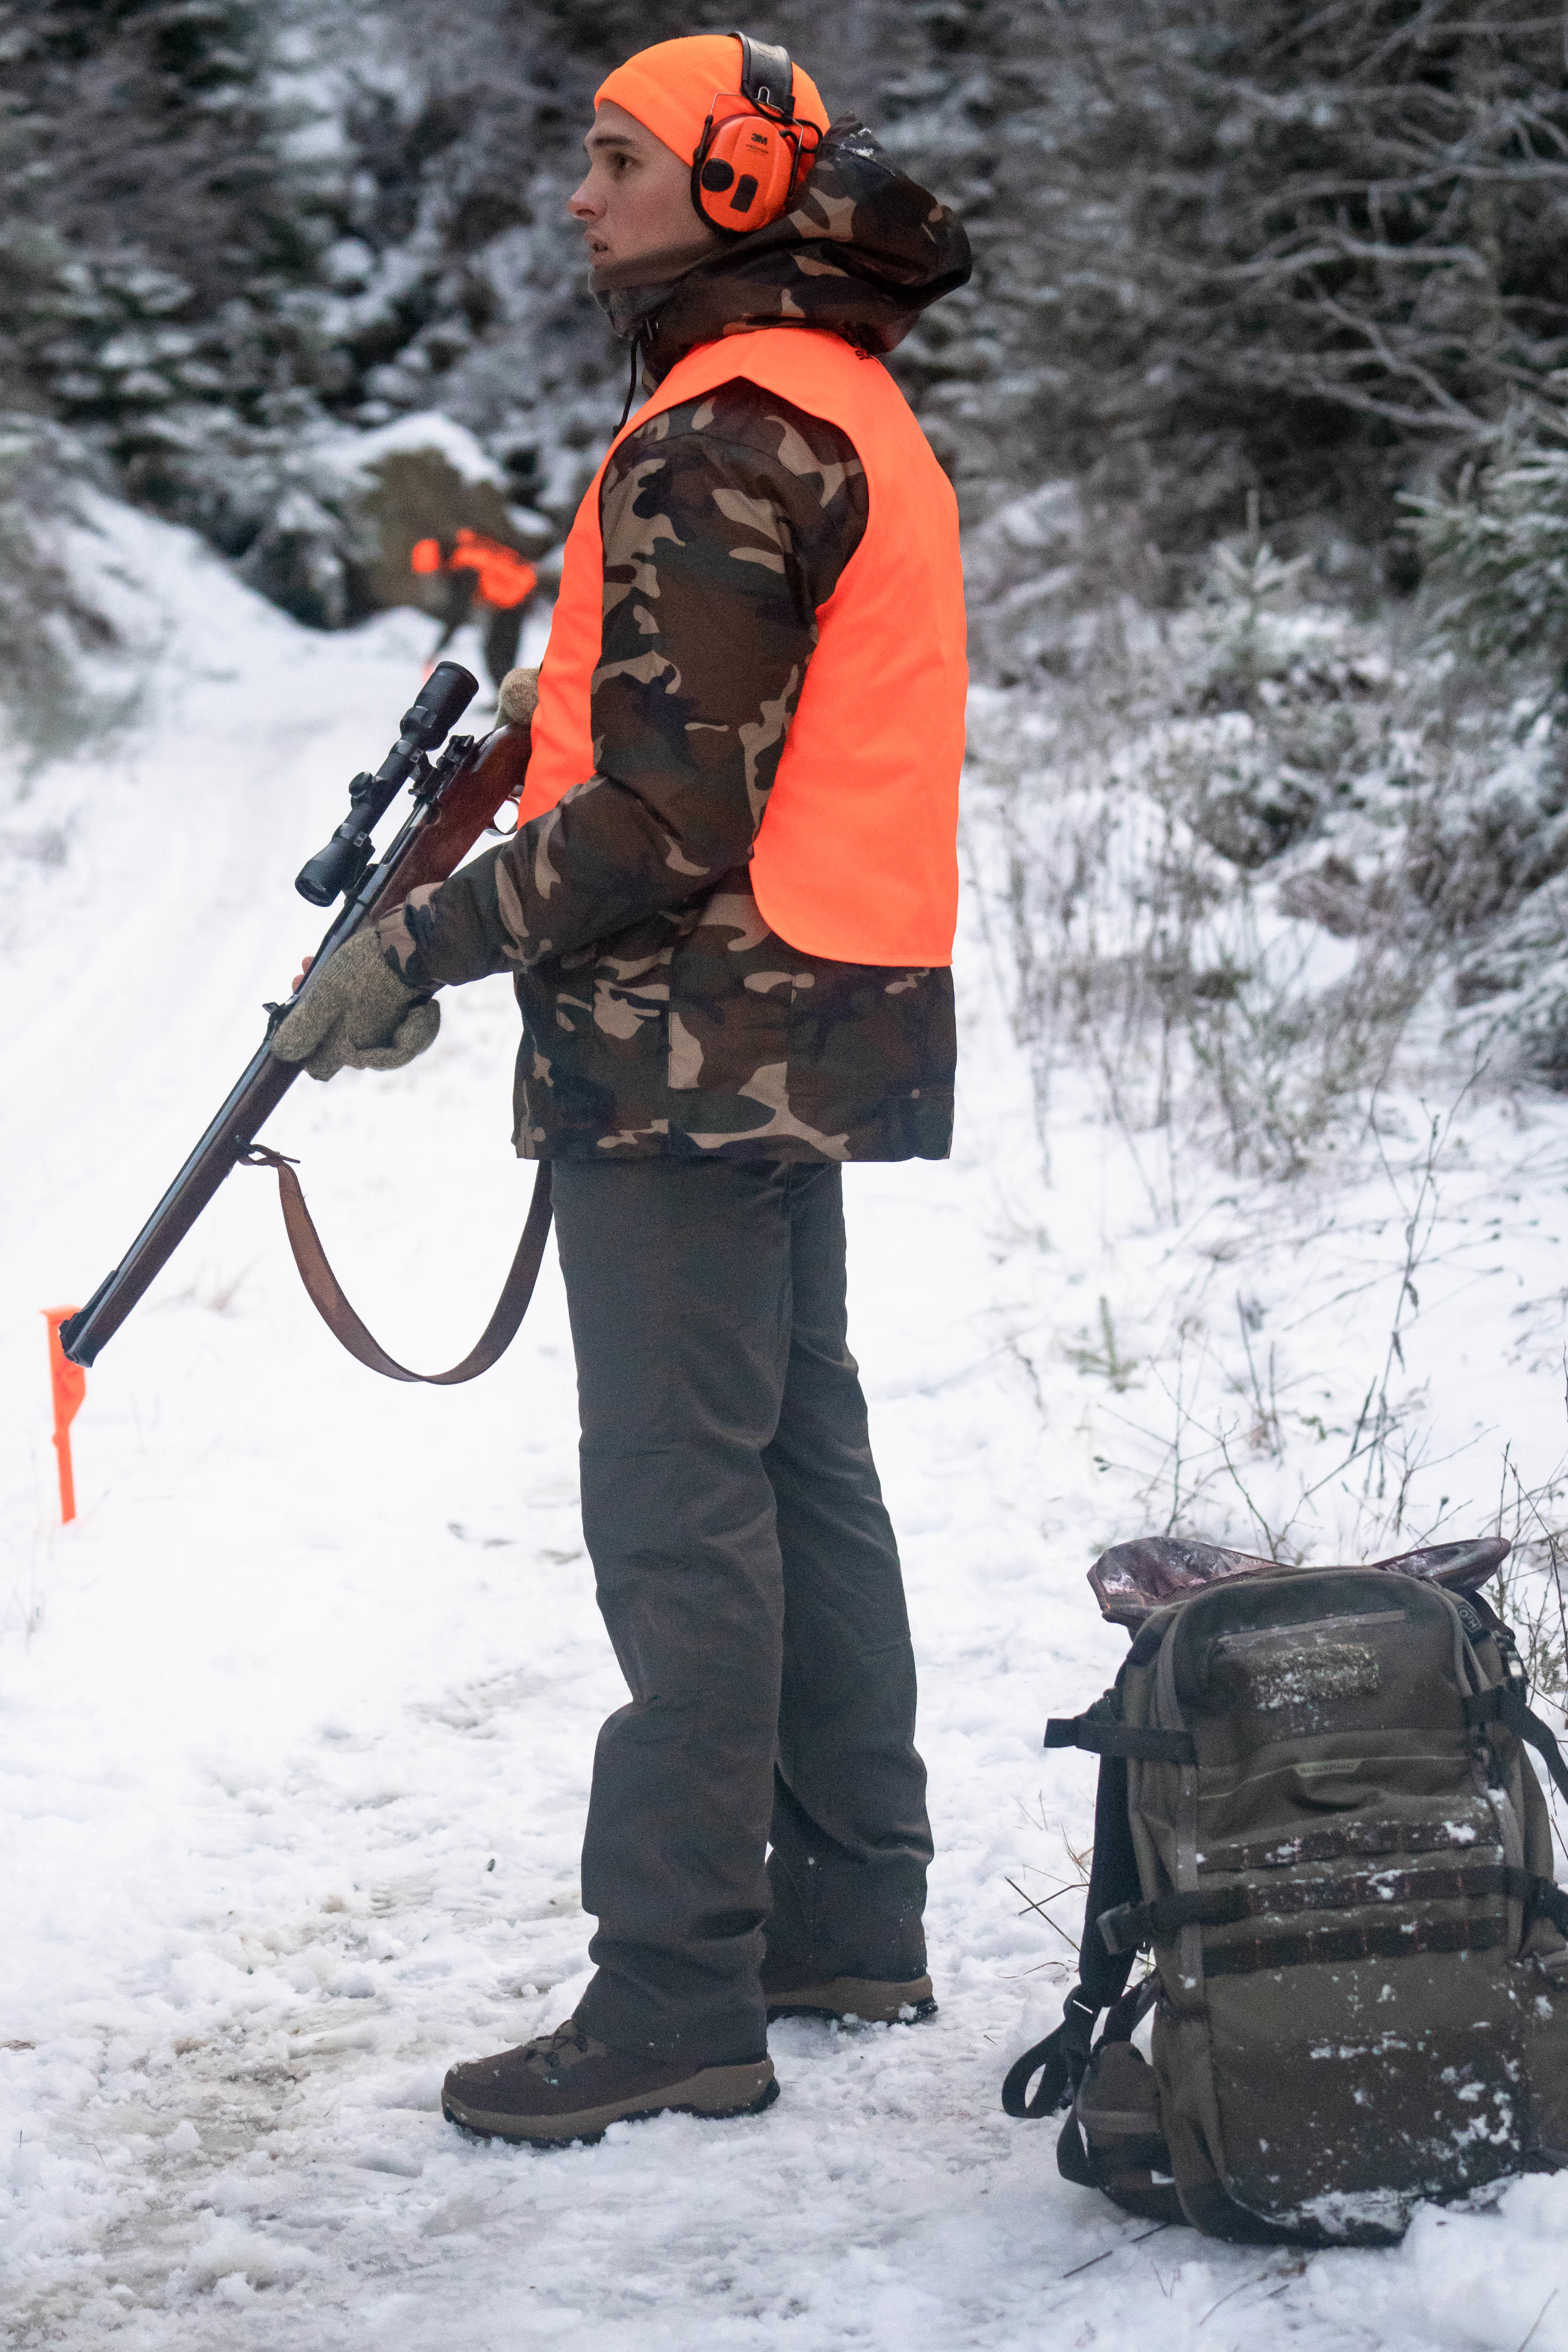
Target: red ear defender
(753, 154)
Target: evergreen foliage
(1497, 548)
(161, 241)
(1229, 251)
(46, 623)
(1249, 244)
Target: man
(729, 911)
(483, 572)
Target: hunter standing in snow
(479, 571)
(729, 912)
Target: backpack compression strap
(1505, 1705)
(1133, 1925)
(1103, 1738)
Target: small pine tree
(1496, 551)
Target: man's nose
(582, 205)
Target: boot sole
(865, 1999)
(716, 2093)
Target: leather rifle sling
(327, 1293)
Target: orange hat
(671, 88)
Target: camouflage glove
(357, 1017)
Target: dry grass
(1231, 852)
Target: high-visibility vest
(855, 858)
(502, 578)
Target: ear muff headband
(753, 153)
(767, 76)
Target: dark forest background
(1252, 263)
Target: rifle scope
(434, 712)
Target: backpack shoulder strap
(1507, 1704)
(1059, 2059)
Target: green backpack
(1315, 1811)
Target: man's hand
(357, 1016)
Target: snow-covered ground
(297, 1717)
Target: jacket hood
(864, 252)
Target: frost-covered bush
(1214, 924)
(46, 623)
(1248, 840)
(1211, 1018)
(1279, 706)
(1477, 851)
(1497, 553)
(1516, 986)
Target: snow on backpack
(1315, 1809)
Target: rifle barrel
(260, 1089)
(456, 801)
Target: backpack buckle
(1124, 1929)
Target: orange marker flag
(68, 1383)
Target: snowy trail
(297, 1721)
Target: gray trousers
(749, 1579)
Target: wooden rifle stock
(455, 804)
(493, 774)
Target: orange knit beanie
(671, 88)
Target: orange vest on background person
(855, 859)
(502, 578)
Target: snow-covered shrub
(1206, 1011)
(1211, 841)
(1243, 842)
(1513, 984)
(46, 622)
(1479, 853)
(1496, 549)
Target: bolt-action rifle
(454, 799)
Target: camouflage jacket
(660, 1013)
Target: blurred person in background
(483, 572)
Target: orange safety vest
(855, 858)
(503, 579)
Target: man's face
(636, 197)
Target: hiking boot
(874, 2000)
(565, 2085)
